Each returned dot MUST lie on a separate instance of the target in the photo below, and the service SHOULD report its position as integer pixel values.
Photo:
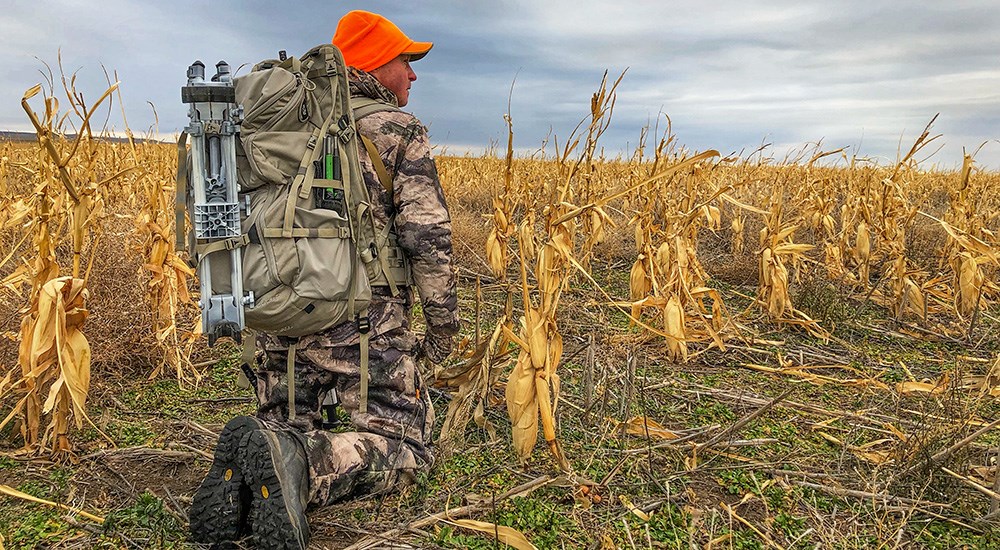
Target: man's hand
(435, 348)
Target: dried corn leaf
(932, 388)
(968, 242)
(56, 339)
(792, 248)
(864, 452)
(11, 492)
(627, 503)
(988, 385)
(875, 457)
(985, 474)
(644, 426)
(507, 535)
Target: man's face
(397, 75)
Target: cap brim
(418, 50)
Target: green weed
(146, 522)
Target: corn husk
(522, 406)
(673, 327)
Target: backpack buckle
(345, 132)
(345, 135)
(363, 325)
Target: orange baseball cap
(369, 41)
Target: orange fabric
(369, 41)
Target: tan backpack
(311, 248)
(313, 251)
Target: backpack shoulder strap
(380, 171)
(362, 107)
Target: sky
(731, 75)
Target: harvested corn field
(665, 348)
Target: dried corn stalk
(737, 226)
(167, 289)
(470, 382)
(55, 358)
(667, 274)
(54, 355)
(533, 387)
(777, 248)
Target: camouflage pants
(390, 443)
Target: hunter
(297, 464)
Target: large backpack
(311, 249)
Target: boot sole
(273, 516)
(220, 508)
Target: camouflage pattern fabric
(391, 442)
(423, 224)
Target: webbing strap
(304, 174)
(364, 255)
(383, 174)
(290, 376)
(325, 70)
(364, 106)
(292, 64)
(248, 358)
(382, 242)
(364, 343)
(327, 184)
(363, 405)
(382, 237)
(180, 192)
(393, 288)
(249, 347)
(231, 243)
(308, 232)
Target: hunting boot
(277, 472)
(221, 506)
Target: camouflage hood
(365, 85)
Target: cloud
(730, 74)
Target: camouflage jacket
(422, 224)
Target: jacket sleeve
(423, 226)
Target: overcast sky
(731, 75)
